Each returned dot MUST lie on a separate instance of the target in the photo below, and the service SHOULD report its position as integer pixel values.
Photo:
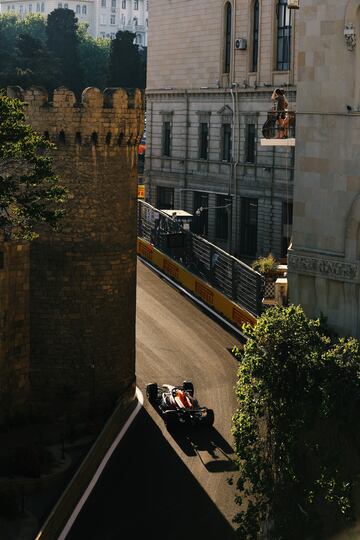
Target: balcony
(279, 129)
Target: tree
(30, 192)
(14, 55)
(31, 64)
(63, 42)
(94, 58)
(126, 67)
(296, 427)
(33, 25)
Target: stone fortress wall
(82, 278)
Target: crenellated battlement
(110, 118)
(82, 277)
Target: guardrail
(228, 275)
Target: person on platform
(280, 106)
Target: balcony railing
(279, 127)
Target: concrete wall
(83, 277)
(324, 264)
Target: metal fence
(232, 277)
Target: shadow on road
(146, 491)
(207, 443)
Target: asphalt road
(157, 484)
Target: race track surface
(162, 485)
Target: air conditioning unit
(240, 44)
(293, 4)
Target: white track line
(194, 298)
(102, 466)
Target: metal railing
(235, 279)
(279, 124)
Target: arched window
(255, 36)
(84, 10)
(227, 40)
(283, 54)
(78, 9)
(42, 7)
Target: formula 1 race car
(177, 405)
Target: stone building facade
(82, 278)
(324, 269)
(212, 67)
(104, 17)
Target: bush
(295, 427)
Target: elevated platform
(278, 142)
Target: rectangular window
(222, 217)
(123, 4)
(167, 139)
(227, 50)
(248, 226)
(226, 142)
(287, 220)
(203, 143)
(250, 143)
(283, 36)
(113, 3)
(200, 223)
(103, 3)
(164, 198)
(112, 19)
(136, 5)
(255, 50)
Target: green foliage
(31, 64)
(126, 63)
(295, 427)
(94, 58)
(59, 52)
(30, 192)
(63, 42)
(11, 27)
(265, 265)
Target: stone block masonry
(83, 276)
(14, 331)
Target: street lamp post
(229, 218)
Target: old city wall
(14, 330)
(82, 277)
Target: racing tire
(152, 392)
(189, 388)
(209, 418)
(170, 420)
